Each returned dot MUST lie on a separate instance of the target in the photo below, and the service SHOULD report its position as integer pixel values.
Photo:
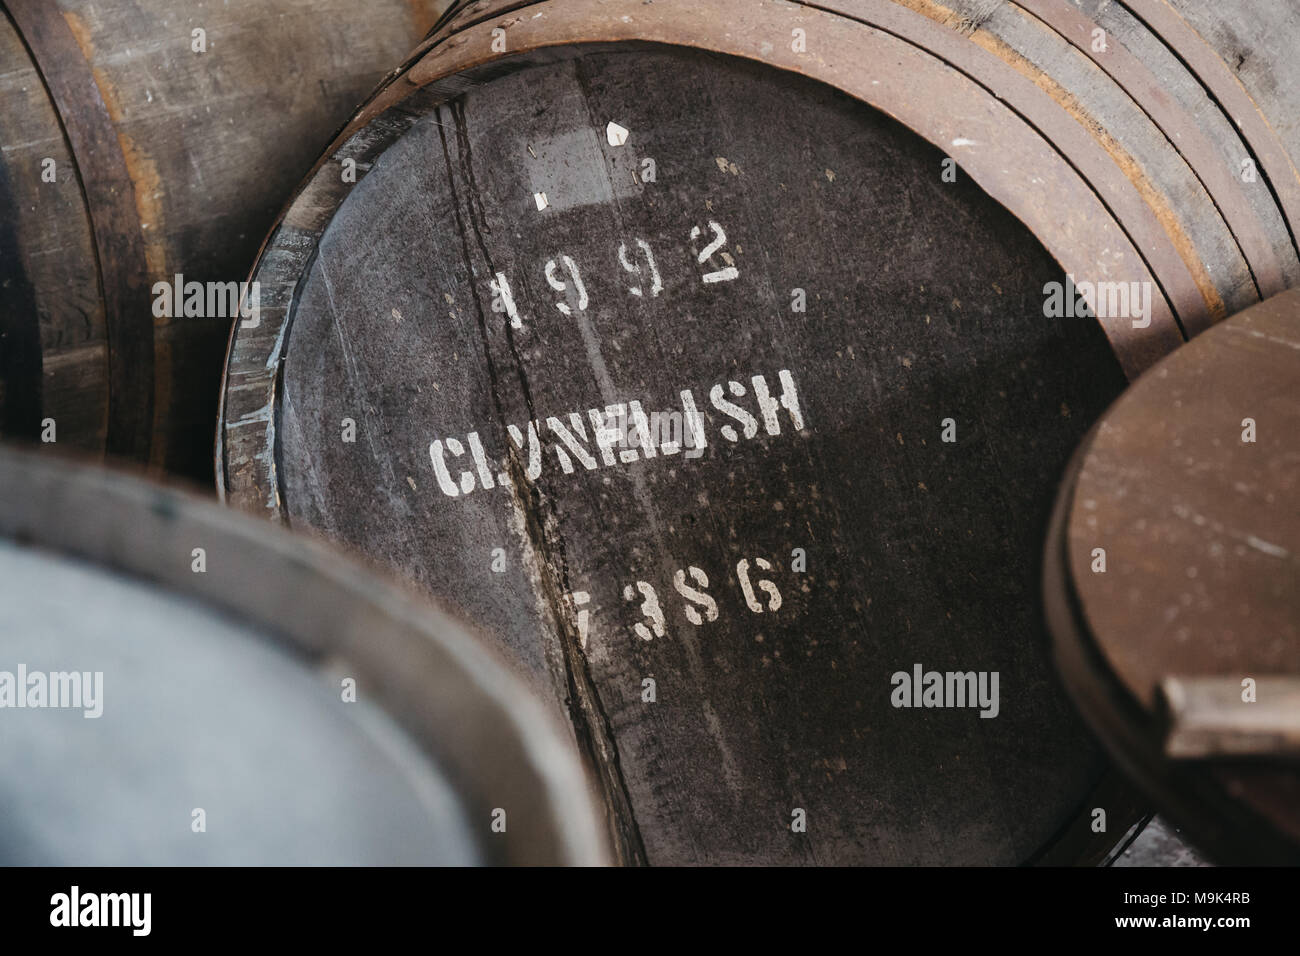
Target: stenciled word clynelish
(639, 441)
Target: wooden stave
(209, 159)
(67, 350)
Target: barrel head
(733, 414)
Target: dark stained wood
(924, 300)
(50, 284)
(1130, 120)
(381, 314)
(112, 206)
(1202, 545)
(212, 143)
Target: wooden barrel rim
(1135, 79)
(1039, 120)
(1129, 721)
(1224, 89)
(409, 657)
(443, 66)
(109, 195)
(1130, 731)
(1280, 172)
(919, 22)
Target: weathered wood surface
(1145, 108)
(924, 301)
(224, 690)
(1189, 487)
(1257, 47)
(213, 142)
(381, 316)
(1155, 159)
(54, 339)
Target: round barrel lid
(733, 413)
(180, 685)
(1173, 577)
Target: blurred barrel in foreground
(182, 686)
(1172, 576)
(668, 343)
(153, 142)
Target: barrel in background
(146, 141)
(1170, 576)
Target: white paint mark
(534, 449)
(656, 283)
(540, 199)
(1270, 549)
(560, 286)
(1256, 334)
(615, 134)
(719, 240)
(580, 598)
(501, 286)
(962, 141)
(650, 608)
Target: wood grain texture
(1201, 537)
(1213, 241)
(351, 264)
(55, 358)
(1258, 45)
(214, 142)
(1204, 540)
(922, 296)
(1133, 143)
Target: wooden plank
(55, 359)
(213, 143)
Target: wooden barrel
(720, 361)
(147, 143)
(182, 686)
(1171, 575)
